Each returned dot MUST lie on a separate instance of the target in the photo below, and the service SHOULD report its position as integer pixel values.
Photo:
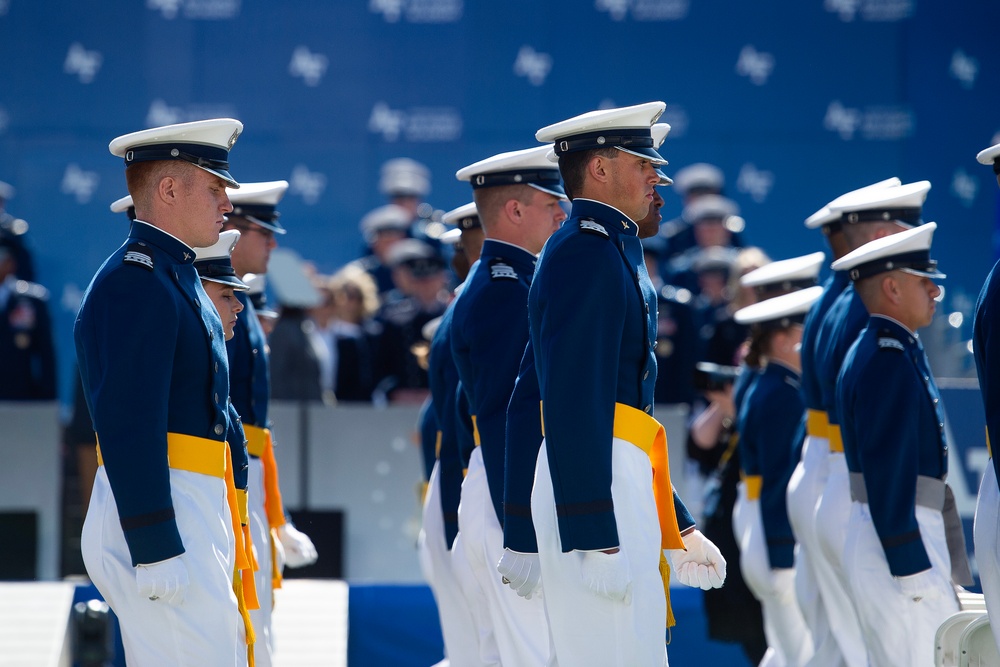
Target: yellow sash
(260, 440)
(244, 585)
(817, 423)
(836, 441)
(753, 485)
(643, 431)
(475, 431)
(211, 457)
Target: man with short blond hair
(159, 539)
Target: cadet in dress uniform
(159, 540)
(520, 565)
(768, 420)
(518, 196)
(690, 183)
(266, 315)
(865, 215)
(893, 427)
(382, 228)
(27, 355)
(255, 215)
(987, 524)
(465, 625)
(827, 608)
(734, 611)
(714, 221)
(600, 524)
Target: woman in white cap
(219, 279)
(768, 421)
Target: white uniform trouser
(260, 532)
(832, 514)
(784, 626)
(203, 630)
(897, 630)
(986, 532)
(461, 637)
(804, 490)
(519, 626)
(588, 629)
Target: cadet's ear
(598, 168)
(512, 208)
(890, 288)
(167, 189)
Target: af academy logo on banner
(418, 11)
(876, 123)
(79, 183)
(308, 65)
(306, 184)
(196, 9)
(533, 65)
(82, 63)
(417, 124)
(755, 65)
(870, 10)
(644, 10)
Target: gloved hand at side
(521, 572)
(299, 549)
(700, 565)
(167, 580)
(607, 575)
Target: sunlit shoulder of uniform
(590, 226)
(887, 341)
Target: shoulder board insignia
(588, 225)
(502, 271)
(138, 256)
(890, 343)
(792, 382)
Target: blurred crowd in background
(356, 336)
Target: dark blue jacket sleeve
(524, 438)
(887, 448)
(782, 414)
(496, 332)
(582, 313)
(126, 349)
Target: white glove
(920, 586)
(701, 565)
(299, 549)
(521, 572)
(167, 580)
(607, 575)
